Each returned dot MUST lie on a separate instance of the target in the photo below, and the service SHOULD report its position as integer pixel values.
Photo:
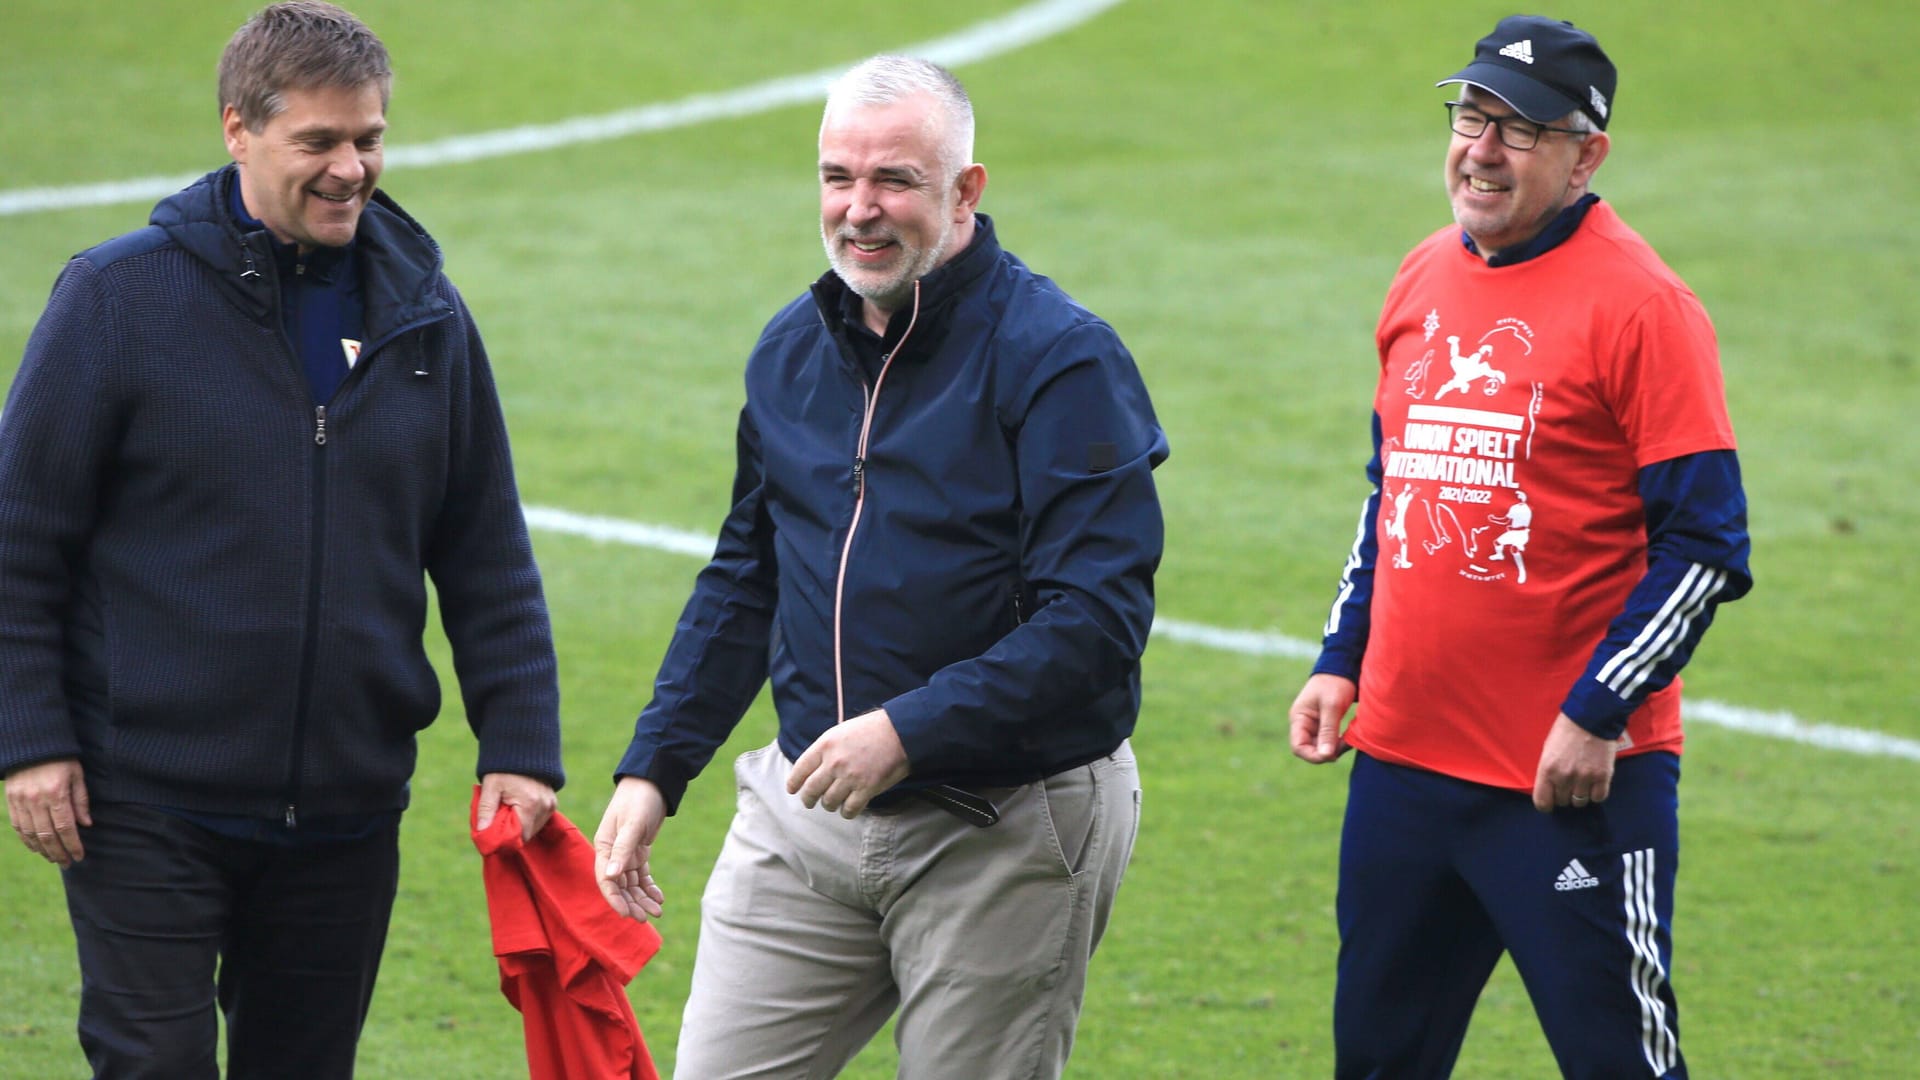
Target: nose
(1488, 147)
(862, 206)
(347, 165)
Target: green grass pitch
(1230, 183)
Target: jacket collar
(1557, 232)
(399, 263)
(938, 292)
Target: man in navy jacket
(240, 440)
(942, 543)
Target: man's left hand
(532, 799)
(1576, 768)
(845, 768)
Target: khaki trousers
(813, 929)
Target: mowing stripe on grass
(1776, 725)
(1015, 30)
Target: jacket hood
(402, 262)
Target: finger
(836, 797)
(817, 785)
(855, 803)
(803, 769)
(1329, 731)
(1305, 733)
(1602, 788)
(626, 837)
(66, 835)
(534, 817)
(615, 896)
(1542, 794)
(645, 894)
(489, 804)
(634, 895)
(46, 837)
(82, 802)
(1302, 744)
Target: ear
(972, 184)
(236, 133)
(1593, 151)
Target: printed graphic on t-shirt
(1454, 471)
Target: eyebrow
(884, 172)
(319, 132)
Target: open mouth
(341, 199)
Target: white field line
(1777, 725)
(1014, 30)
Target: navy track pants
(1439, 876)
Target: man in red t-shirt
(1563, 512)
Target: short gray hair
(1579, 121)
(298, 45)
(885, 79)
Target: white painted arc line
(1015, 30)
(1777, 725)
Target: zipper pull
(293, 820)
(319, 425)
(859, 467)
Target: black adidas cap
(1542, 67)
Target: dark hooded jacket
(213, 589)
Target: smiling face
(891, 209)
(308, 172)
(1503, 197)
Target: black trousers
(170, 918)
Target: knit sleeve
(57, 441)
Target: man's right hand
(623, 846)
(47, 803)
(1316, 715)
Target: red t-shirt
(565, 957)
(1517, 405)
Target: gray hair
(883, 80)
(298, 45)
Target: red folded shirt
(565, 956)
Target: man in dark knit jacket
(240, 440)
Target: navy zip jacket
(212, 589)
(968, 543)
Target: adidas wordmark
(1575, 876)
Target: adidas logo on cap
(1574, 877)
(1520, 50)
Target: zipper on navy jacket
(316, 547)
(860, 501)
(310, 642)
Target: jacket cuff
(913, 714)
(524, 750)
(1597, 709)
(1341, 662)
(647, 763)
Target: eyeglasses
(1517, 132)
